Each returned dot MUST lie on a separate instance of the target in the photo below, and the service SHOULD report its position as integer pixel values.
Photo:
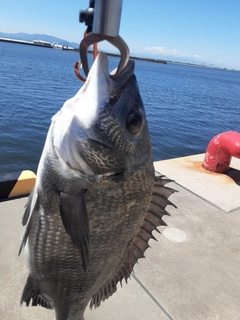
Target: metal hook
(118, 42)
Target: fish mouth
(114, 98)
(113, 176)
(121, 81)
(105, 145)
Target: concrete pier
(36, 43)
(191, 273)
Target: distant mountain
(37, 36)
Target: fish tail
(32, 292)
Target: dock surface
(191, 273)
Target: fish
(96, 200)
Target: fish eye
(134, 122)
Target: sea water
(186, 106)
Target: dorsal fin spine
(135, 251)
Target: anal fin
(32, 292)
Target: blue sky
(206, 31)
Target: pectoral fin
(75, 220)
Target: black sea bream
(96, 200)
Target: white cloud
(197, 56)
(163, 50)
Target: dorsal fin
(135, 251)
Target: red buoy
(220, 151)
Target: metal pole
(107, 16)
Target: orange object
(16, 184)
(77, 64)
(76, 69)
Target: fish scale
(96, 200)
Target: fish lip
(126, 73)
(118, 92)
(113, 176)
(128, 81)
(101, 143)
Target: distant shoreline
(187, 64)
(37, 43)
(45, 44)
(135, 58)
(30, 43)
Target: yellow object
(24, 184)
